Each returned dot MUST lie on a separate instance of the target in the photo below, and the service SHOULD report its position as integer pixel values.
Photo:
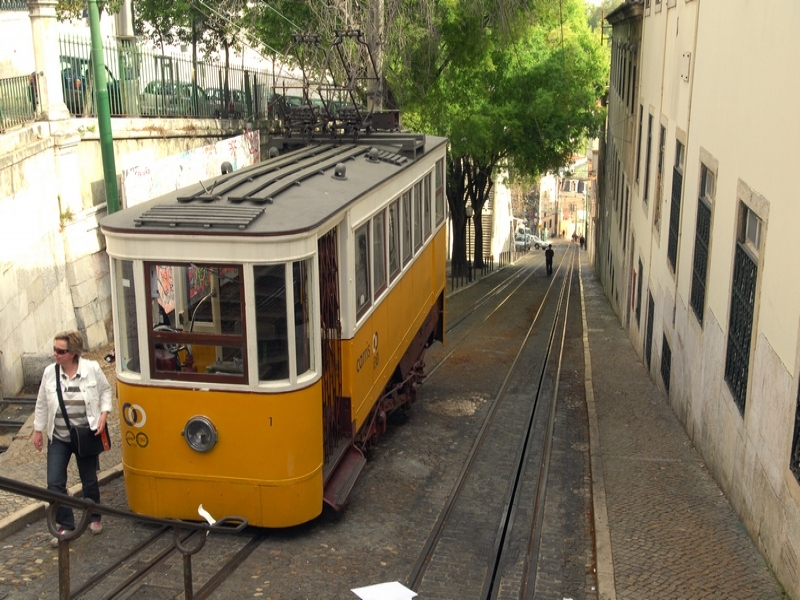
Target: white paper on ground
(391, 590)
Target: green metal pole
(103, 110)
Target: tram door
(335, 420)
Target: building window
(648, 348)
(794, 463)
(646, 193)
(701, 242)
(666, 362)
(675, 206)
(743, 297)
(662, 139)
(639, 296)
(639, 145)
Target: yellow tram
(266, 321)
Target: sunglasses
(60, 351)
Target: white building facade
(694, 241)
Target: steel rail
(220, 576)
(421, 565)
(95, 579)
(87, 507)
(458, 344)
(483, 300)
(492, 582)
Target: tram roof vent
(374, 155)
(340, 172)
(199, 216)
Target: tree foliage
(513, 84)
(521, 100)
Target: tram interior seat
(273, 359)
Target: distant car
(76, 76)
(538, 243)
(167, 99)
(235, 107)
(279, 106)
(521, 243)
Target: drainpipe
(103, 110)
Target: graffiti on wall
(158, 177)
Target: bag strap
(61, 397)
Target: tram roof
(293, 192)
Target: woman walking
(87, 399)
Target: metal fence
(13, 5)
(19, 101)
(145, 83)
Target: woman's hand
(38, 440)
(101, 422)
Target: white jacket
(96, 395)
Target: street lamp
(468, 211)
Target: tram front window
(271, 322)
(197, 318)
(125, 291)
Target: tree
(522, 99)
(76, 9)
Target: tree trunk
(456, 200)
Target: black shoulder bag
(84, 441)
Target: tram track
(150, 558)
(516, 527)
(483, 301)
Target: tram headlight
(200, 434)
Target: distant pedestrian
(87, 397)
(548, 259)
(583, 242)
(574, 238)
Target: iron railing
(463, 273)
(179, 529)
(144, 83)
(9, 5)
(19, 101)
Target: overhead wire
(213, 11)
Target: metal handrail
(229, 524)
(13, 5)
(19, 100)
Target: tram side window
(378, 253)
(271, 322)
(197, 318)
(125, 292)
(426, 206)
(303, 311)
(406, 225)
(417, 216)
(394, 239)
(363, 300)
(439, 193)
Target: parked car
(538, 243)
(279, 105)
(235, 107)
(521, 243)
(76, 79)
(167, 99)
